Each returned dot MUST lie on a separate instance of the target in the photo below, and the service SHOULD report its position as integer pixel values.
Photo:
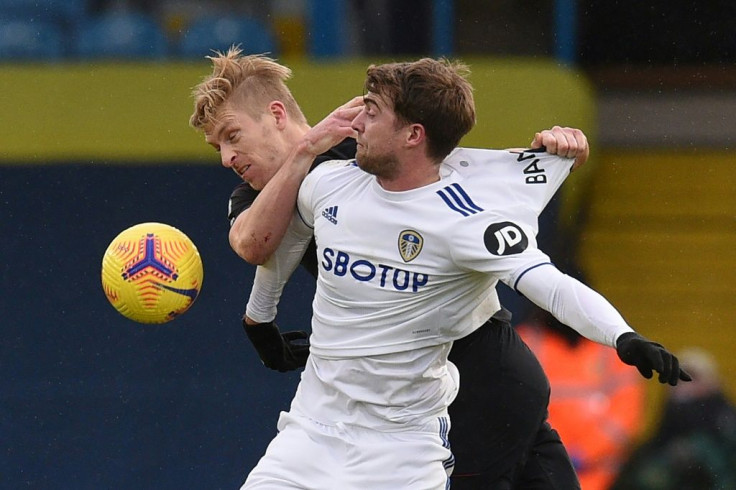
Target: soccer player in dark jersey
(500, 436)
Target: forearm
(271, 277)
(573, 303)
(581, 308)
(264, 296)
(257, 232)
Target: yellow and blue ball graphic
(152, 273)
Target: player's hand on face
(334, 128)
(566, 142)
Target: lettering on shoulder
(532, 172)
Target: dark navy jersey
(243, 196)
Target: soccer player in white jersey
(411, 244)
(500, 432)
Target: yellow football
(152, 273)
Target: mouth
(241, 172)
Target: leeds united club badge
(410, 244)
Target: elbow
(253, 258)
(248, 250)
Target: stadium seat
(30, 40)
(65, 11)
(120, 35)
(209, 33)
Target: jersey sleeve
(308, 190)
(573, 303)
(507, 249)
(497, 245)
(271, 277)
(519, 182)
(531, 178)
(543, 175)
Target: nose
(227, 156)
(357, 123)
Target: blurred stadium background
(95, 103)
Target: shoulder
(244, 191)
(330, 176)
(343, 151)
(333, 168)
(522, 170)
(478, 158)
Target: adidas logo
(331, 214)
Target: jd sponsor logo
(505, 238)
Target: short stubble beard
(385, 167)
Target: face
(377, 138)
(253, 149)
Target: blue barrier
(89, 399)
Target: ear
(416, 135)
(278, 111)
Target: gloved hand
(648, 356)
(280, 352)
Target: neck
(300, 131)
(412, 176)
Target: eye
(232, 136)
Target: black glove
(648, 356)
(281, 352)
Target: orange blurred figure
(596, 402)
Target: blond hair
(247, 81)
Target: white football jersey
(403, 274)
(405, 270)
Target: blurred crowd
(668, 33)
(598, 406)
(694, 443)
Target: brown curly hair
(433, 93)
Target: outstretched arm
(257, 232)
(585, 310)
